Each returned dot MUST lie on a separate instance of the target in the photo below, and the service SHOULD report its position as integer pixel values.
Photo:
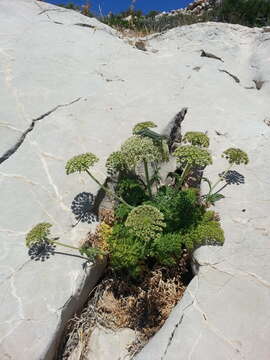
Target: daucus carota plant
(82, 163)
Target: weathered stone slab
(105, 344)
(95, 87)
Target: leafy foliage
(148, 228)
(197, 138)
(38, 234)
(244, 12)
(105, 232)
(131, 191)
(211, 199)
(122, 212)
(125, 251)
(206, 233)
(167, 248)
(80, 163)
(90, 252)
(180, 208)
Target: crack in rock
(209, 55)
(235, 78)
(174, 330)
(15, 147)
(86, 25)
(213, 328)
(46, 10)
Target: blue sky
(120, 5)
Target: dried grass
(117, 303)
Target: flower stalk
(184, 175)
(53, 242)
(109, 192)
(147, 179)
(220, 180)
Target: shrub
(131, 191)
(167, 248)
(244, 12)
(125, 251)
(122, 212)
(207, 233)
(180, 208)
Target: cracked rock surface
(56, 102)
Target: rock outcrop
(66, 89)
(197, 7)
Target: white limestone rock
(105, 344)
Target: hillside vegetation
(252, 13)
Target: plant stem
(220, 179)
(223, 187)
(109, 192)
(184, 174)
(147, 178)
(64, 245)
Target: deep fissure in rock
(16, 146)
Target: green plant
(206, 233)
(190, 156)
(116, 163)
(125, 251)
(145, 222)
(167, 248)
(82, 163)
(41, 244)
(41, 233)
(131, 191)
(143, 129)
(90, 252)
(137, 150)
(122, 211)
(197, 138)
(181, 209)
(244, 12)
(142, 126)
(234, 156)
(38, 233)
